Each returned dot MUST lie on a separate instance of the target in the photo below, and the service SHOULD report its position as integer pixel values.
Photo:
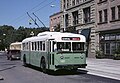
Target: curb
(1, 78)
(104, 74)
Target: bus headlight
(81, 57)
(61, 57)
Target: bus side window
(43, 43)
(54, 46)
(32, 46)
(38, 46)
(23, 46)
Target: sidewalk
(104, 67)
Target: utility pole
(64, 12)
(39, 20)
(32, 19)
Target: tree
(13, 35)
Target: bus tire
(43, 65)
(24, 61)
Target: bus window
(43, 45)
(78, 46)
(54, 46)
(64, 46)
(32, 46)
(23, 46)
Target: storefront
(109, 42)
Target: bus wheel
(24, 61)
(43, 65)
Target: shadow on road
(60, 72)
(67, 72)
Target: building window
(113, 13)
(75, 17)
(86, 12)
(100, 16)
(119, 12)
(73, 2)
(107, 47)
(67, 3)
(84, 0)
(64, 4)
(118, 37)
(105, 15)
(77, 1)
(101, 1)
(66, 19)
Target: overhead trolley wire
(21, 17)
(44, 6)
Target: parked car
(13, 54)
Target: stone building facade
(79, 17)
(108, 26)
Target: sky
(14, 12)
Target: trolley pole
(39, 20)
(32, 19)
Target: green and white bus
(54, 51)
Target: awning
(86, 33)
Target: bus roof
(54, 35)
(16, 43)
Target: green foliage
(117, 51)
(117, 54)
(9, 34)
(99, 54)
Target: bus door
(51, 52)
(29, 50)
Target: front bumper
(70, 66)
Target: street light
(52, 5)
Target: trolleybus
(54, 51)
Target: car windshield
(15, 51)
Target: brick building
(55, 20)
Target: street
(15, 72)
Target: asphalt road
(14, 72)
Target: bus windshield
(69, 46)
(64, 46)
(77, 46)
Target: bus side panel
(36, 58)
(27, 56)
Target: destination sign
(71, 38)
